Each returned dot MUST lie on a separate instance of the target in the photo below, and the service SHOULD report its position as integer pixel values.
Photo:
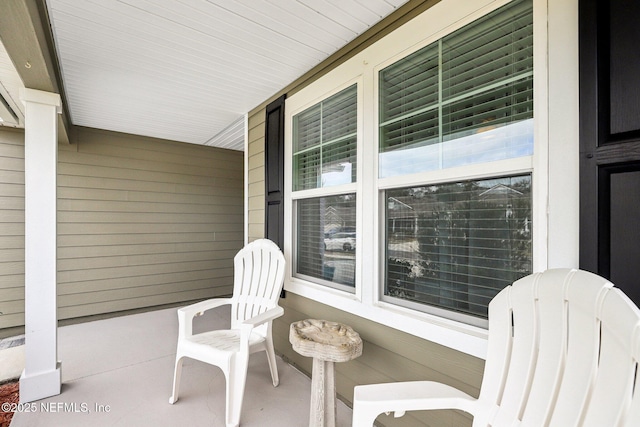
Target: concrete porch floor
(119, 371)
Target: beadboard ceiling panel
(11, 109)
(188, 70)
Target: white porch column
(41, 377)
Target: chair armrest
(202, 306)
(247, 326)
(186, 314)
(268, 315)
(371, 400)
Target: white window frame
(443, 18)
(291, 196)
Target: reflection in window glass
(466, 98)
(455, 246)
(326, 239)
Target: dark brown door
(610, 141)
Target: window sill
(465, 338)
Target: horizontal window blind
(307, 128)
(455, 246)
(410, 86)
(326, 239)
(476, 79)
(492, 49)
(324, 142)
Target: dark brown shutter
(610, 141)
(274, 171)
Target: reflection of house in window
(339, 218)
(332, 221)
(498, 192)
(402, 219)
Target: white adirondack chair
(564, 347)
(258, 279)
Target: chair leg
(362, 417)
(176, 379)
(273, 367)
(236, 379)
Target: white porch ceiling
(188, 70)
(11, 109)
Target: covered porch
(118, 372)
(175, 148)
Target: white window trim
(553, 38)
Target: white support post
(42, 374)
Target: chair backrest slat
(258, 280)
(613, 387)
(551, 311)
(521, 366)
(499, 351)
(632, 416)
(584, 296)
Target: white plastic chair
(258, 279)
(564, 347)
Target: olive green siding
(388, 354)
(255, 156)
(141, 222)
(11, 227)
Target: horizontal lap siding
(11, 227)
(143, 222)
(255, 155)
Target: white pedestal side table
(326, 342)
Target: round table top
(325, 340)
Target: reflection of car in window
(340, 242)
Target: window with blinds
(326, 240)
(324, 142)
(455, 246)
(446, 238)
(324, 154)
(466, 98)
